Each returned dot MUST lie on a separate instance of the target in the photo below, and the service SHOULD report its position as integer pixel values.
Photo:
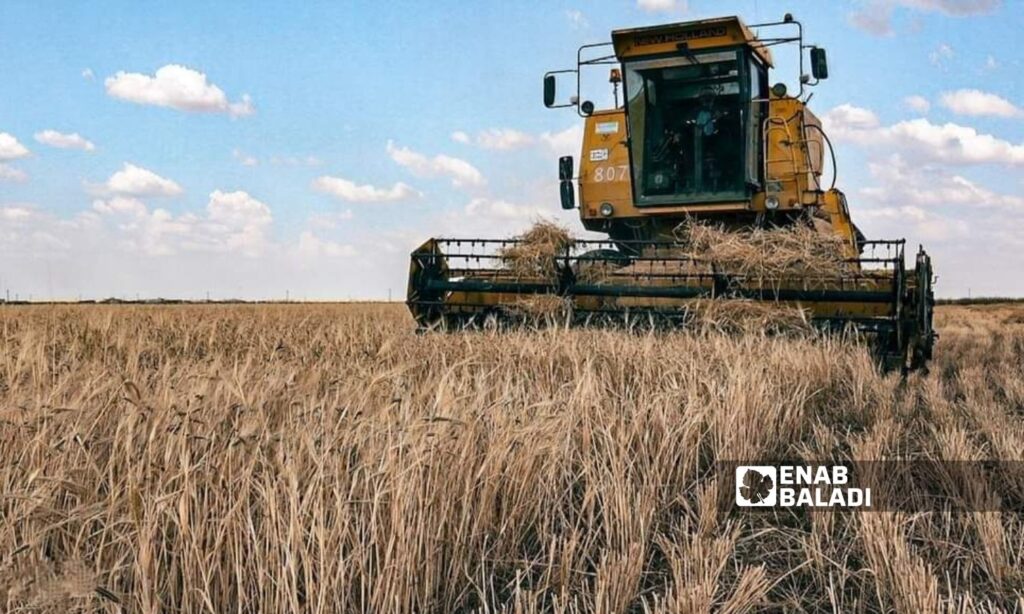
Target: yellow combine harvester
(701, 136)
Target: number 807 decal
(611, 173)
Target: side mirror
(819, 63)
(568, 195)
(565, 188)
(565, 168)
(549, 91)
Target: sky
(264, 150)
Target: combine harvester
(700, 137)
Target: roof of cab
(699, 34)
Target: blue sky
(249, 149)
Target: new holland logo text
(798, 486)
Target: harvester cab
(699, 137)
(701, 134)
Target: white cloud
(875, 15)
(177, 87)
(349, 191)
(134, 180)
(239, 219)
(16, 212)
(330, 221)
(504, 139)
(916, 103)
(848, 116)
(120, 204)
(461, 173)
(122, 247)
(921, 140)
(503, 210)
(930, 186)
(577, 20)
(877, 21)
(977, 102)
(10, 148)
(922, 201)
(296, 161)
(568, 141)
(234, 222)
(952, 7)
(10, 173)
(243, 158)
(311, 248)
(64, 141)
(88, 75)
(656, 6)
(925, 225)
(941, 55)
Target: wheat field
(325, 458)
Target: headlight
(771, 203)
(607, 210)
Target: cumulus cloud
(88, 75)
(928, 226)
(123, 247)
(16, 212)
(10, 173)
(497, 138)
(661, 6)
(923, 201)
(462, 173)
(10, 148)
(503, 210)
(875, 16)
(239, 219)
(504, 138)
(922, 140)
(847, 117)
(507, 139)
(120, 204)
(917, 103)
(568, 141)
(349, 191)
(64, 141)
(177, 87)
(234, 222)
(930, 187)
(134, 180)
(977, 102)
